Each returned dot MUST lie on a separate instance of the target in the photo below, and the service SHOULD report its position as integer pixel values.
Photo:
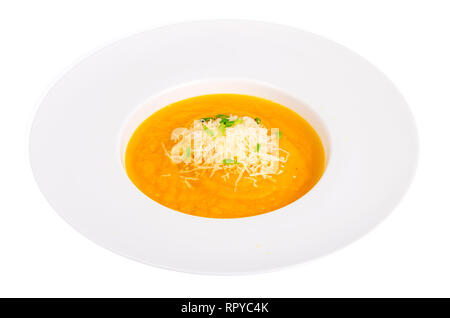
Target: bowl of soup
(223, 147)
(225, 155)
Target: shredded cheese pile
(236, 145)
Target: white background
(407, 255)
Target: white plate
(83, 123)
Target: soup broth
(165, 163)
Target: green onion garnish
(231, 123)
(258, 146)
(205, 119)
(280, 134)
(208, 131)
(258, 120)
(222, 116)
(230, 162)
(221, 129)
(187, 152)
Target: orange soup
(225, 156)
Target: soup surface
(183, 156)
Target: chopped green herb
(208, 131)
(258, 120)
(206, 119)
(187, 152)
(229, 123)
(280, 134)
(222, 116)
(230, 162)
(221, 129)
(258, 146)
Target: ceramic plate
(83, 124)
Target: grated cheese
(236, 145)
